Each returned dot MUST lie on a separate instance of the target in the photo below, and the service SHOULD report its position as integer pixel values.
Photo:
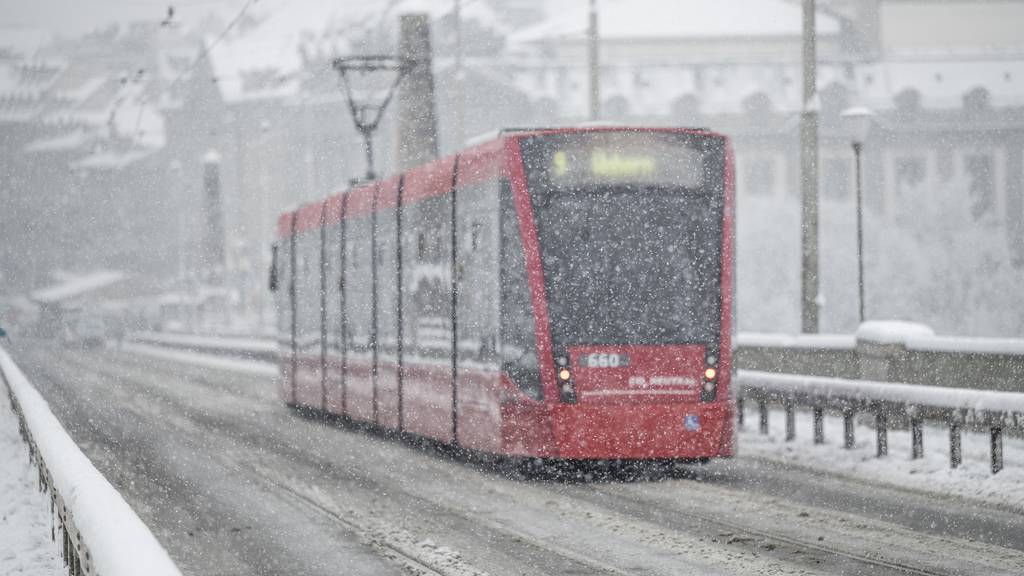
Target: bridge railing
(912, 404)
(264, 349)
(99, 534)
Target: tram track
(408, 554)
(404, 550)
(408, 558)
(744, 533)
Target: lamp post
(266, 220)
(858, 122)
(174, 169)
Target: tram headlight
(709, 388)
(563, 376)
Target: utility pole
(594, 64)
(460, 81)
(857, 147)
(214, 252)
(809, 177)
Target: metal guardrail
(889, 403)
(73, 550)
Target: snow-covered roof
(68, 141)
(264, 56)
(23, 40)
(634, 19)
(891, 331)
(80, 100)
(77, 286)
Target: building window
(759, 173)
(944, 164)
(908, 171)
(981, 183)
(977, 101)
(838, 173)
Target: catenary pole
(460, 94)
(594, 63)
(809, 177)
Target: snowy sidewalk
(25, 525)
(931, 474)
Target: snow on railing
(996, 411)
(811, 341)
(99, 533)
(885, 332)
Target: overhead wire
(203, 53)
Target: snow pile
(892, 331)
(25, 545)
(932, 473)
(119, 543)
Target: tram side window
(332, 265)
(307, 292)
(387, 283)
(518, 331)
(283, 297)
(426, 269)
(478, 273)
(359, 284)
(412, 224)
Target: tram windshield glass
(630, 230)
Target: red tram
(551, 293)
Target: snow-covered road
(232, 482)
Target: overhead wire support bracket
(367, 115)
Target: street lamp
(174, 169)
(858, 121)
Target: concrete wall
(983, 367)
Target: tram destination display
(615, 158)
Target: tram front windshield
(630, 230)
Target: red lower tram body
(551, 294)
